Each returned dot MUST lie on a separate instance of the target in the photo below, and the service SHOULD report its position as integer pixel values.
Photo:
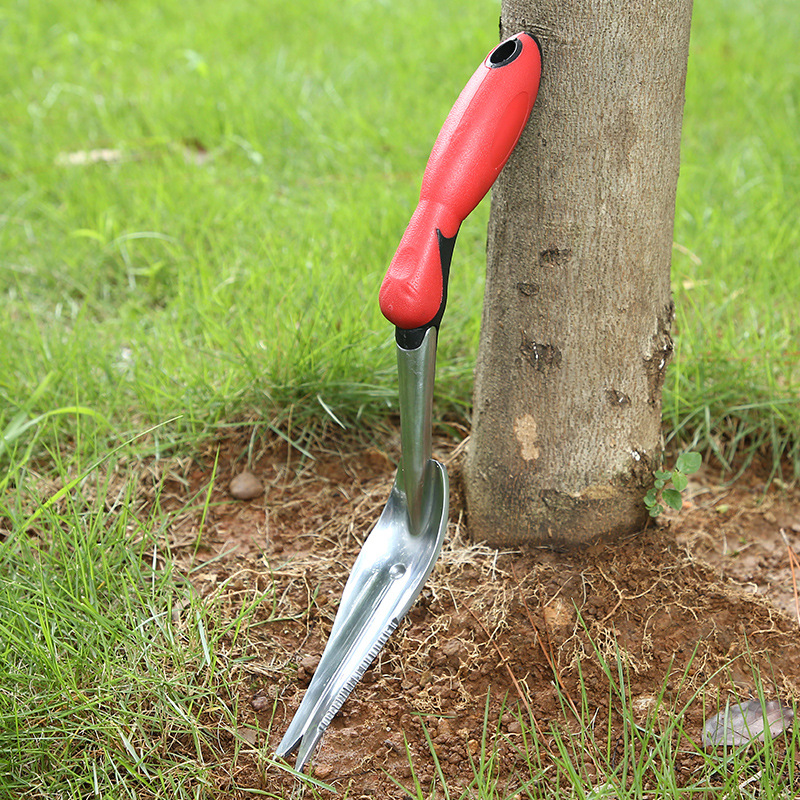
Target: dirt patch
(689, 613)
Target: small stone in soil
(307, 667)
(246, 486)
(260, 703)
(743, 723)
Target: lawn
(197, 205)
(199, 209)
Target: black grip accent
(539, 45)
(411, 338)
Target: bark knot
(617, 398)
(540, 356)
(555, 257)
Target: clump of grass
(116, 678)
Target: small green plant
(669, 484)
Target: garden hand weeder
(472, 147)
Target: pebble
(323, 771)
(445, 729)
(246, 486)
(308, 666)
(260, 703)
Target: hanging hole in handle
(505, 53)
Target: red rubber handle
(473, 145)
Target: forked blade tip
(305, 753)
(287, 746)
(304, 743)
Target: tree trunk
(577, 313)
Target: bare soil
(700, 607)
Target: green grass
(220, 260)
(225, 261)
(97, 674)
(117, 679)
(734, 386)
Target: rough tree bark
(577, 313)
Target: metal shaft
(416, 370)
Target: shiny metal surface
(415, 370)
(394, 563)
